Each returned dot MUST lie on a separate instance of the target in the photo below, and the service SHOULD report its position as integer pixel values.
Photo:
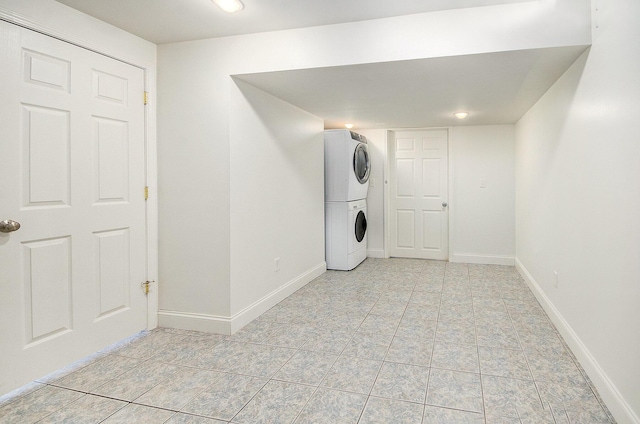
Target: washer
(345, 234)
(346, 166)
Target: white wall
(578, 205)
(277, 197)
(193, 179)
(198, 281)
(217, 265)
(482, 220)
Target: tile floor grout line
(269, 379)
(475, 327)
(553, 416)
(319, 386)
(535, 382)
(249, 401)
(114, 412)
(435, 335)
(63, 405)
(433, 346)
(375, 380)
(181, 410)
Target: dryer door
(361, 226)
(361, 163)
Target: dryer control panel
(358, 137)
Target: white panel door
(418, 195)
(73, 173)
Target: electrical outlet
(483, 183)
(555, 279)
(276, 264)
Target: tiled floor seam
(64, 405)
(473, 311)
(584, 375)
(249, 401)
(526, 358)
(435, 334)
(385, 355)
(319, 383)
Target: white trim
(261, 306)
(385, 195)
(376, 253)
(151, 157)
(471, 258)
(196, 322)
(150, 71)
(391, 137)
(451, 195)
(229, 325)
(70, 35)
(620, 409)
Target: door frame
(75, 37)
(386, 195)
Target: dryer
(346, 166)
(345, 234)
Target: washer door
(361, 226)
(361, 163)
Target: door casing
(390, 135)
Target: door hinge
(146, 97)
(146, 193)
(146, 287)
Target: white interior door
(73, 173)
(418, 220)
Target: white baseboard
(620, 409)
(256, 309)
(470, 258)
(376, 253)
(196, 322)
(229, 325)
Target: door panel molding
(65, 295)
(416, 189)
(134, 54)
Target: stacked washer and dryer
(346, 183)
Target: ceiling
(168, 21)
(495, 88)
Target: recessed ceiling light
(461, 115)
(229, 5)
(349, 126)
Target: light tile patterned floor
(394, 341)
